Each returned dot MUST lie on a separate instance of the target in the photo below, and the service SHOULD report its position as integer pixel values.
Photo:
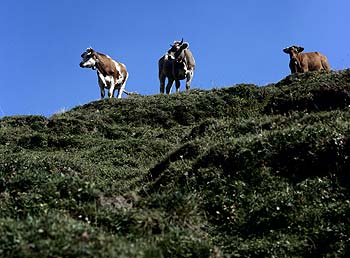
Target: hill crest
(235, 171)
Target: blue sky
(232, 41)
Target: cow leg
(114, 91)
(189, 77)
(169, 85)
(119, 95)
(102, 87)
(304, 69)
(121, 90)
(111, 89)
(162, 83)
(177, 85)
(111, 92)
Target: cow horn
(182, 41)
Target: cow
(304, 62)
(111, 74)
(176, 64)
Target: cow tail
(131, 93)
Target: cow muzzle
(86, 65)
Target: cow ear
(300, 49)
(286, 50)
(90, 51)
(184, 46)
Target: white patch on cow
(89, 63)
(102, 79)
(169, 56)
(109, 80)
(121, 76)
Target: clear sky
(232, 41)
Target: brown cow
(303, 62)
(111, 74)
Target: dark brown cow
(177, 64)
(303, 62)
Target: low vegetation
(242, 171)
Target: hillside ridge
(228, 172)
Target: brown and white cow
(111, 74)
(304, 62)
(177, 64)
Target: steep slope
(237, 171)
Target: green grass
(238, 171)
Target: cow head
(177, 50)
(89, 59)
(293, 50)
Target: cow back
(106, 65)
(312, 61)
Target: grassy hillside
(238, 171)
